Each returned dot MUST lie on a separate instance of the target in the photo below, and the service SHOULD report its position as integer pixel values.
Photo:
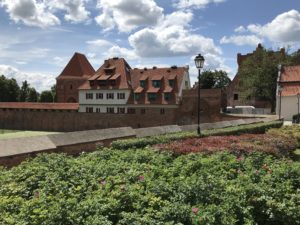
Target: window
(162, 111)
(235, 97)
(89, 95)
(92, 83)
(121, 95)
(137, 96)
(98, 110)
(110, 110)
(167, 96)
(152, 96)
(102, 82)
(142, 83)
(71, 87)
(143, 111)
(113, 82)
(110, 95)
(156, 83)
(131, 111)
(99, 95)
(121, 110)
(89, 109)
(171, 83)
(186, 84)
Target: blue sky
(38, 37)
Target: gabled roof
(112, 69)
(78, 66)
(290, 74)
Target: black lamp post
(199, 62)
(298, 96)
(279, 91)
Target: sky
(38, 37)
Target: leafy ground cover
(143, 186)
(279, 145)
(257, 128)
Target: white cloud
(99, 43)
(37, 80)
(171, 38)
(127, 15)
(285, 28)
(241, 40)
(117, 51)
(30, 12)
(195, 3)
(76, 11)
(41, 13)
(240, 29)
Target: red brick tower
(77, 71)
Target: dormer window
(167, 96)
(137, 96)
(152, 96)
(142, 83)
(156, 83)
(92, 83)
(171, 83)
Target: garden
(221, 178)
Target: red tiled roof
(94, 77)
(78, 66)
(157, 77)
(139, 90)
(34, 105)
(118, 65)
(153, 90)
(290, 74)
(116, 76)
(163, 74)
(172, 76)
(168, 89)
(290, 89)
(144, 77)
(104, 77)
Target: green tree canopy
(24, 92)
(214, 79)
(33, 95)
(258, 75)
(46, 96)
(9, 89)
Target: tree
(258, 75)
(214, 79)
(9, 89)
(53, 90)
(24, 91)
(33, 95)
(46, 96)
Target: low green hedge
(256, 128)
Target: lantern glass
(199, 61)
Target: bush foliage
(258, 128)
(277, 145)
(142, 186)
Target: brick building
(77, 71)
(116, 88)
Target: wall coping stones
(80, 137)
(17, 146)
(151, 131)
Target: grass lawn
(7, 134)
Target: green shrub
(290, 131)
(146, 187)
(257, 128)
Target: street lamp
(199, 62)
(279, 91)
(298, 96)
